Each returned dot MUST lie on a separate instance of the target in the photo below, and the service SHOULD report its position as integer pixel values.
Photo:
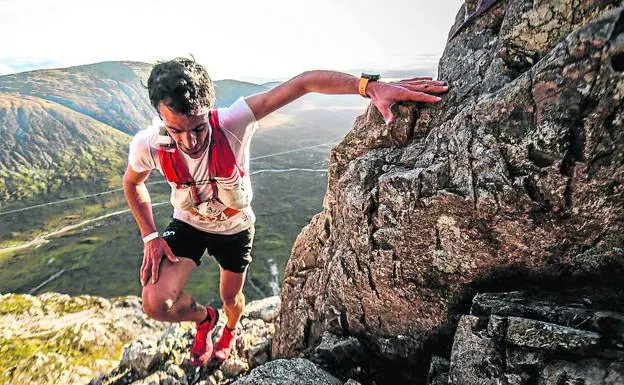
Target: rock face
(509, 338)
(514, 182)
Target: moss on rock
(15, 304)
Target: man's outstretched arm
(382, 94)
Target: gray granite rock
(543, 335)
(266, 309)
(165, 359)
(496, 349)
(438, 371)
(141, 356)
(296, 371)
(475, 358)
(339, 355)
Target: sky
(240, 39)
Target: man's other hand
(420, 89)
(153, 252)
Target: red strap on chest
(222, 159)
(175, 171)
(222, 162)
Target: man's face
(190, 132)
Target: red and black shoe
(225, 345)
(201, 350)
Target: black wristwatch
(365, 79)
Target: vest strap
(221, 162)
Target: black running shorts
(232, 252)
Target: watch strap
(362, 86)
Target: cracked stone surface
(515, 179)
(506, 345)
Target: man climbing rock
(203, 153)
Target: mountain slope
(110, 92)
(229, 90)
(46, 145)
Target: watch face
(371, 75)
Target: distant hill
(110, 92)
(46, 145)
(69, 126)
(270, 85)
(229, 90)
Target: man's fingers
(418, 78)
(429, 88)
(145, 269)
(170, 255)
(387, 114)
(423, 83)
(423, 97)
(142, 273)
(155, 266)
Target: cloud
(6, 69)
(9, 65)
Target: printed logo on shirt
(168, 233)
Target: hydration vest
(221, 164)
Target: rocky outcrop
(514, 182)
(163, 358)
(512, 338)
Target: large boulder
(297, 371)
(515, 181)
(511, 338)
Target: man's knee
(232, 299)
(156, 305)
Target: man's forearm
(328, 82)
(141, 206)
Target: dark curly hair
(182, 84)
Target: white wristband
(151, 236)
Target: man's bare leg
(166, 301)
(231, 289)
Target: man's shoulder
(147, 136)
(140, 156)
(238, 115)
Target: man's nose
(189, 140)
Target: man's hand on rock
(153, 252)
(420, 89)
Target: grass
(14, 304)
(62, 351)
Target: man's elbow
(131, 179)
(304, 82)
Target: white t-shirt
(238, 123)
